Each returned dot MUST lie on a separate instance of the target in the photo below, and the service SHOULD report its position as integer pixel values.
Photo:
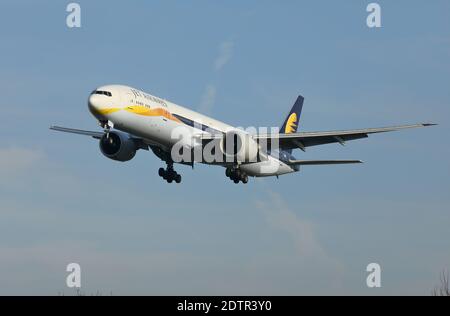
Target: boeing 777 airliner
(132, 119)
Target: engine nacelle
(118, 146)
(238, 146)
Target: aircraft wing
(96, 135)
(306, 139)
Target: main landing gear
(236, 175)
(169, 174)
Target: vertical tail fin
(292, 121)
(290, 125)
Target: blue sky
(243, 62)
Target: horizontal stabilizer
(321, 162)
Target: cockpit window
(107, 93)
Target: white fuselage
(155, 120)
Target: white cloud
(225, 54)
(281, 217)
(316, 267)
(208, 99)
(209, 95)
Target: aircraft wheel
(171, 176)
(228, 172)
(245, 179)
(236, 181)
(178, 178)
(161, 172)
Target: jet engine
(239, 146)
(118, 146)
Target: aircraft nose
(95, 104)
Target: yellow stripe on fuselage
(107, 111)
(141, 110)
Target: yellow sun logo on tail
(291, 124)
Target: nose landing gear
(106, 125)
(236, 175)
(169, 174)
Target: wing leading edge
(306, 139)
(96, 135)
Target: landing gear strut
(236, 175)
(169, 174)
(106, 125)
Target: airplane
(132, 119)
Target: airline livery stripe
(197, 125)
(145, 111)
